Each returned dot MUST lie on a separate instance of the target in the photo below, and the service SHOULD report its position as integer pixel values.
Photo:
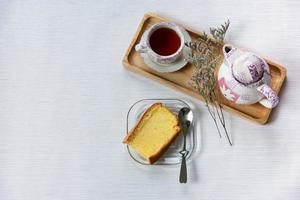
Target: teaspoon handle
(183, 171)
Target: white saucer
(178, 64)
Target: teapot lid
(248, 69)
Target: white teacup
(164, 43)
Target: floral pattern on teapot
(226, 91)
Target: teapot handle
(271, 99)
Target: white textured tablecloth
(64, 96)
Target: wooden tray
(180, 80)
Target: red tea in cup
(165, 41)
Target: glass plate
(172, 156)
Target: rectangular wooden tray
(180, 80)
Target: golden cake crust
(153, 158)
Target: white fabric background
(64, 96)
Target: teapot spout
(227, 48)
(230, 53)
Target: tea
(165, 41)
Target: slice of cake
(154, 132)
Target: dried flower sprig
(219, 33)
(206, 56)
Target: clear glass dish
(172, 156)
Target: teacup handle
(141, 47)
(271, 99)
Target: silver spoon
(185, 116)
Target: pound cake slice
(154, 132)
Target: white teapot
(245, 78)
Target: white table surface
(64, 96)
